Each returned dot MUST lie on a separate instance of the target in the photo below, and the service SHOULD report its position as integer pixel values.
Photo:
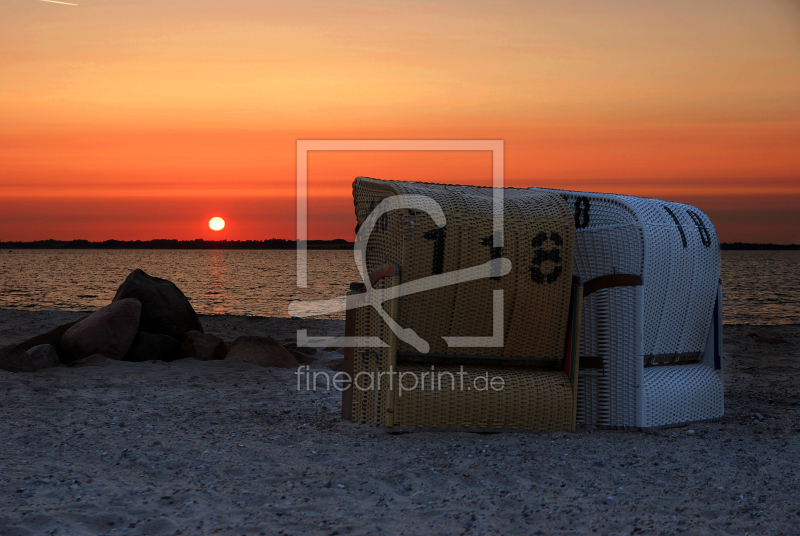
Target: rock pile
(263, 351)
(148, 319)
(165, 309)
(108, 331)
(14, 358)
(153, 346)
(203, 346)
(44, 356)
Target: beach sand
(226, 447)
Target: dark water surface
(760, 287)
(252, 282)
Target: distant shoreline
(745, 246)
(272, 243)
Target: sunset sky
(141, 119)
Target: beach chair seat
(652, 316)
(528, 349)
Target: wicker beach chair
(652, 317)
(529, 349)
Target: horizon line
(334, 243)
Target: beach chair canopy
(516, 322)
(651, 270)
(538, 238)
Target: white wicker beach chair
(652, 325)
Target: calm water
(761, 287)
(256, 282)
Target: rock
(203, 346)
(304, 349)
(263, 351)
(302, 358)
(52, 337)
(95, 360)
(153, 346)
(44, 356)
(165, 309)
(759, 417)
(108, 331)
(14, 358)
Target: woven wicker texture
(673, 394)
(370, 404)
(538, 236)
(445, 396)
(534, 400)
(674, 247)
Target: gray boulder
(304, 349)
(95, 360)
(108, 331)
(153, 346)
(44, 356)
(203, 346)
(302, 357)
(263, 351)
(52, 337)
(14, 358)
(165, 309)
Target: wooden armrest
(385, 270)
(609, 281)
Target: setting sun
(216, 224)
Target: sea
(759, 287)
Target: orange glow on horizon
(138, 120)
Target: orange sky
(134, 119)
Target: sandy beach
(226, 447)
